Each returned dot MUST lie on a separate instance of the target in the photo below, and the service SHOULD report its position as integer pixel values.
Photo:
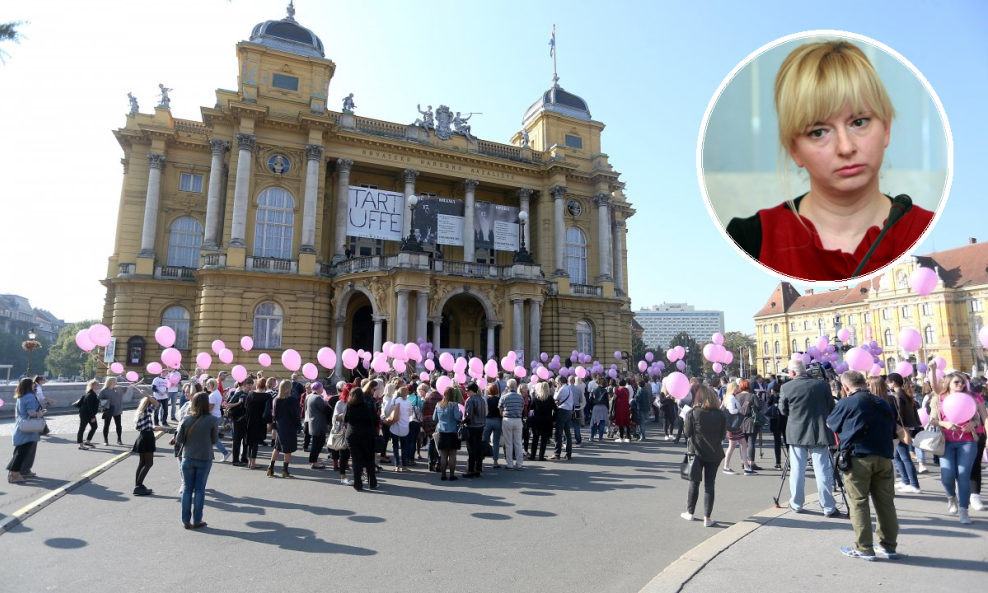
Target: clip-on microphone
(900, 205)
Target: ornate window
(775, 328)
(886, 314)
(190, 182)
(184, 242)
(807, 346)
(888, 338)
(274, 224)
(850, 319)
(177, 318)
(929, 336)
(584, 337)
(977, 306)
(777, 348)
(806, 324)
(765, 350)
(795, 346)
(576, 255)
(907, 311)
(867, 317)
(927, 310)
(792, 327)
(268, 318)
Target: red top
(622, 407)
(793, 250)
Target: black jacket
(90, 406)
(704, 431)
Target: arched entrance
(359, 332)
(464, 326)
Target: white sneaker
(976, 503)
(686, 515)
(922, 469)
(899, 487)
(952, 506)
(709, 523)
(227, 456)
(965, 519)
(346, 481)
(910, 490)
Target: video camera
(822, 371)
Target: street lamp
(411, 243)
(30, 344)
(522, 256)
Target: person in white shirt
(564, 420)
(401, 445)
(159, 388)
(216, 409)
(172, 400)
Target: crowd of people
(354, 424)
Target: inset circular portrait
(824, 157)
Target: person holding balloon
(112, 401)
(159, 388)
(961, 417)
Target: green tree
(639, 349)
(12, 353)
(735, 342)
(68, 360)
(694, 354)
(9, 32)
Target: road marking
(18, 516)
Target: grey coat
(317, 414)
(807, 402)
(199, 437)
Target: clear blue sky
(647, 70)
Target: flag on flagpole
(552, 42)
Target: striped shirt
(146, 420)
(512, 404)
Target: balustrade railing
(272, 264)
(173, 273)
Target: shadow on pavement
(289, 538)
(257, 506)
(99, 492)
(65, 543)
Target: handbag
(930, 440)
(733, 421)
(337, 439)
(393, 416)
(32, 425)
(690, 469)
(903, 434)
(463, 432)
(380, 444)
(78, 403)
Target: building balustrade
(126, 269)
(272, 264)
(213, 260)
(586, 290)
(174, 273)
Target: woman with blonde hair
(285, 416)
(543, 407)
(735, 431)
(704, 427)
(959, 457)
(447, 416)
(88, 410)
(196, 436)
(835, 120)
(144, 446)
(112, 401)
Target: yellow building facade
(278, 218)
(949, 318)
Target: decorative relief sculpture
(278, 164)
(444, 123)
(461, 126)
(133, 104)
(166, 101)
(348, 105)
(525, 139)
(427, 121)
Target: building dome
(288, 36)
(558, 100)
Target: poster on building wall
(439, 221)
(505, 228)
(374, 213)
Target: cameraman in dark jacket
(865, 427)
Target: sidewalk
(801, 552)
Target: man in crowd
(807, 402)
(865, 426)
(159, 387)
(512, 404)
(565, 403)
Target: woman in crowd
(776, 422)
(430, 401)
(492, 425)
(236, 411)
(285, 417)
(112, 401)
(704, 427)
(669, 410)
(361, 430)
(341, 457)
(599, 411)
(735, 438)
(196, 437)
(24, 442)
(87, 415)
(399, 411)
(475, 415)
(258, 406)
(748, 403)
(144, 446)
(527, 419)
(621, 412)
(908, 419)
(543, 409)
(416, 399)
(961, 445)
(447, 417)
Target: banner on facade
(375, 213)
(440, 221)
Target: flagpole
(555, 50)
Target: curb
(674, 577)
(18, 516)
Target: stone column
(559, 229)
(214, 197)
(535, 323)
(469, 187)
(245, 145)
(604, 232)
(313, 155)
(401, 318)
(156, 162)
(619, 256)
(524, 205)
(490, 339)
(421, 314)
(378, 326)
(517, 323)
(343, 167)
(339, 346)
(436, 327)
(406, 225)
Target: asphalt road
(606, 521)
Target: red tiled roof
(782, 298)
(960, 267)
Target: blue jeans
(172, 395)
(823, 470)
(194, 474)
(598, 428)
(955, 469)
(221, 447)
(904, 463)
(399, 450)
(564, 423)
(642, 419)
(493, 427)
(576, 427)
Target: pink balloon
(164, 336)
(959, 408)
(264, 360)
(172, 358)
(154, 368)
(718, 368)
(843, 334)
(617, 354)
(460, 366)
(204, 360)
(398, 352)
(380, 364)
(910, 340)
(858, 359)
(941, 363)
(904, 368)
(116, 368)
(924, 416)
(239, 373)
(99, 334)
(542, 372)
(490, 369)
(983, 337)
(430, 365)
(482, 384)
(82, 340)
(708, 351)
(226, 356)
(413, 352)
(581, 372)
(400, 365)
(291, 359)
(424, 377)
(520, 372)
(246, 343)
(476, 366)
(386, 347)
(460, 378)
(443, 383)
(923, 280)
(821, 342)
(642, 365)
(677, 385)
(717, 338)
(174, 378)
(446, 361)
(326, 357)
(218, 345)
(350, 358)
(132, 376)
(728, 357)
(876, 370)
(310, 371)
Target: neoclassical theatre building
(278, 218)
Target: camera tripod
(837, 477)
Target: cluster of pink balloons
(89, 338)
